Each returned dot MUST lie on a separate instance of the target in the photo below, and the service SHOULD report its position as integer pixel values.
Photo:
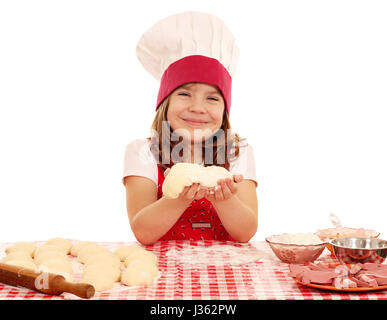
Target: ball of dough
(88, 251)
(60, 271)
(105, 269)
(60, 242)
(49, 255)
(18, 255)
(124, 251)
(145, 256)
(22, 246)
(108, 258)
(48, 247)
(212, 174)
(25, 264)
(58, 265)
(99, 280)
(185, 174)
(79, 246)
(145, 266)
(136, 275)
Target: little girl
(194, 56)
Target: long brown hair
(225, 142)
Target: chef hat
(189, 47)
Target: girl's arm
(150, 218)
(237, 208)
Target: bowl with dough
(296, 248)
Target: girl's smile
(194, 122)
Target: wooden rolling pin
(48, 283)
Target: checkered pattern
(351, 256)
(266, 278)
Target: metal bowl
(359, 250)
(344, 232)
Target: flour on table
(216, 255)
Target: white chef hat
(189, 47)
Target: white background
(309, 95)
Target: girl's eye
(184, 94)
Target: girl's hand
(225, 189)
(192, 192)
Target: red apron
(198, 222)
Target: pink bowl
(295, 253)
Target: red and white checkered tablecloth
(265, 278)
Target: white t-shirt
(139, 161)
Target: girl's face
(196, 106)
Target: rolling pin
(48, 283)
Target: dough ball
(136, 275)
(145, 266)
(18, 255)
(48, 247)
(212, 174)
(124, 251)
(57, 265)
(49, 255)
(22, 246)
(60, 242)
(60, 271)
(108, 258)
(145, 256)
(25, 264)
(180, 176)
(80, 245)
(99, 280)
(88, 251)
(185, 174)
(105, 269)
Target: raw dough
(22, 264)
(185, 174)
(144, 255)
(108, 258)
(68, 276)
(60, 242)
(56, 265)
(79, 246)
(48, 247)
(105, 269)
(99, 280)
(49, 255)
(88, 251)
(18, 255)
(137, 275)
(145, 266)
(124, 251)
(22, 246)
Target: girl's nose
(196, 105)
